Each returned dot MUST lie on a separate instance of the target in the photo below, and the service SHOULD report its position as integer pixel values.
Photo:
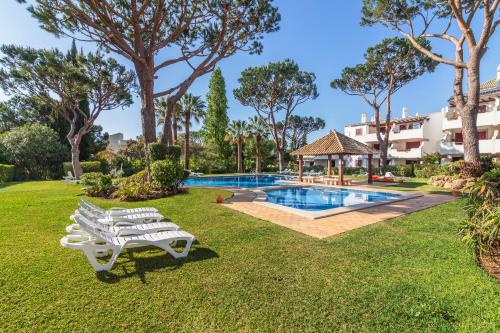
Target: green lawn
(409, 274)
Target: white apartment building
(488, 124)
(116, 142)
(412, 137)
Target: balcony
(414, 153)
(491, 118)
(491, 146)
(408, 134)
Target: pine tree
(216, 122)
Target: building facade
(412, 137)
(116, 142)
(488, 124)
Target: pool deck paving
(242, 201)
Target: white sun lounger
(98, 243)
(119, 228)
(117, 211)
(137, 215)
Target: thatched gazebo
(334, 143)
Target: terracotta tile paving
(332, 225)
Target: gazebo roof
(334, 143)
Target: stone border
(261, 199)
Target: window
(482, 108)
(376, 146)
(359, 131)
(481, 135)
(458, 138)
(359, 162)
(402, 127)
(382, 130)
(412, 144)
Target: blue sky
(322, 36)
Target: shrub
(481, 229)
(173, 153)
(35, 149)
(398, 170)
(96, 184)
(157, 151)
(121, 164)
(470, 169)
(167, 175)
(429, 170)
(133, 188)
(314, 168)
(89, 166)
(6, 173)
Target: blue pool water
(321, 198)
(247, 181)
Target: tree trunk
(469, 115)
(174, 129)
(146, 83)
(186, 141)
(75, 161)
(167, 126)
(240, 159)
(258, 168)
(281, 158)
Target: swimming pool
(247, 181)
(324, 198)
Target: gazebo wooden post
(341, 169)
(329, 165)
(301, 168)
(370, 180)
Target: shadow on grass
(4, 185)
(150, 264)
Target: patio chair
(116, 211)
(120, 227)
(99, 243)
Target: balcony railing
(407, 153)
(491, 146)
(490, 118)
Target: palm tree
(257, 129)
(161, 109)
(192, 107)
(236, 133)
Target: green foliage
(481, 229)
(350, 170)
(300, 128)
(397, 170)
(35, 150)
(173, 153)
(167, 175)
(87, 167)
(134, 188)
(433, 158)
(216, 121)
(7, 173)
(96, 184)
(429, 170)
(157, 151)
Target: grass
(409, 274)
(410, 184)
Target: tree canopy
(62, 83)
(196, 33)
(274, 91)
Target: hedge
(90, 166)
(6, 173)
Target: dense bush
(314, 168)
(429, 170)
(6, 173)
(481, 229)
(96, 184)
(167, 175)
(405, 170)
(173, 153)
(35, 150)
(157, 151)
(119, 164)
(88, 166)
(133, 188)
(470, 169)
